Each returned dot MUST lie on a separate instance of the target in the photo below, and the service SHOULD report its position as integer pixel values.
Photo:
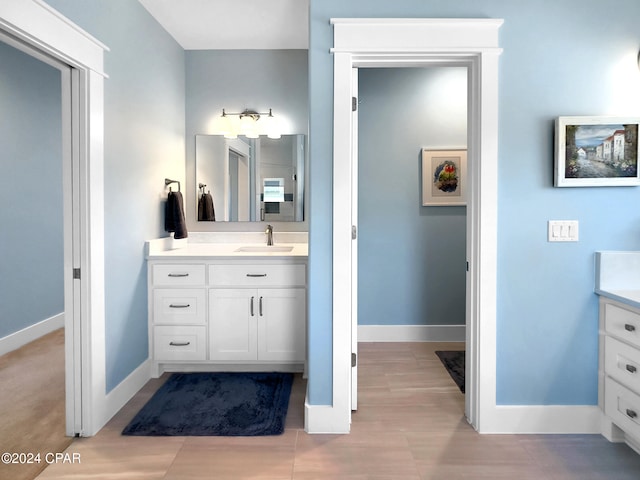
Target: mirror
(250, 180)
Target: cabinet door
(281, 324)
(233, 333)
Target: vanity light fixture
(248, 124)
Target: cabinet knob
(629, 328)
(631, 368)
(631, 413)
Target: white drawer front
(622, 323)
(257, 275)
(622, 362)
(179, 343)
(179, 306)
(622, 406)
(178, 275)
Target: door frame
(37, 29)
(398, 43)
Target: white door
(354, 244)
(281, 329)
(233, 333)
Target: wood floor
(32, 403)
(409, 425)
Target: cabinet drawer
(257, 275)
(178, 275)
(179, 343)
(622, 406)
(622, 362)
(622, 323)
(179, 306)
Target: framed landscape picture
(596, 151)
(444, 177)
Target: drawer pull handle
(629, 328)
(631, 413)
(255, 275)
(179, 305)
(252, 298)
(631, 368)
(261, 306)
(179, 344)
(178, 275)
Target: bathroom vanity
(618, 285)
(226, 306)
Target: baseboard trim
(121, 394)
(20, 338)
(325, 419)
(411, 333)
(544, 419)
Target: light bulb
(272, 126)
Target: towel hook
(168, 181)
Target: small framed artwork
(444, 177)
(596, 152)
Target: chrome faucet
(269, 233)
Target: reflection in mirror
(244, 180)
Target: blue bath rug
(216, 404)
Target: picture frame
(598, 151)
(444, 177)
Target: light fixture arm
(248, 124)
(248, 113)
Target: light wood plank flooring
(410, 425)
(32, 403)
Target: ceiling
(234, 24)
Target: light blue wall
(560, 58)
(144, 143)
(239, 79)
(31, 263)
(411, 259)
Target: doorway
(416, 292)
(43, 186)
(469, 43)
(36, 29)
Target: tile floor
(410, 425)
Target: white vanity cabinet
(619, 371)
(212, 314)
(256, 312)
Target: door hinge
(354, 232)
(76, 274)
(354, 359)
(354, 104)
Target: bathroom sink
(265, 248)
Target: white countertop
(225, 250)
(628, 297)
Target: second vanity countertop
(618, 276)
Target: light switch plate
(563, 231)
